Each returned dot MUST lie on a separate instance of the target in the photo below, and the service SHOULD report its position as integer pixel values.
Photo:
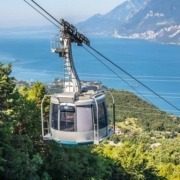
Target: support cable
(119, 77)
(51, 16)
(42, 14)
(131, 76)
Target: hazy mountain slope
(151, 19)
(155, 15)
(159, 20)
(105, 24)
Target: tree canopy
(141, 150)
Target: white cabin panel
(85, 119)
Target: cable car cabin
(76, 116)
(76, 119)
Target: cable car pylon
(77, 115)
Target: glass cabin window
(55, 116)
(67, 118)
(102, 115)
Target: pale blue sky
(17, 13)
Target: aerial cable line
(119, 77)
(46, 12)
(41, 14)
(69, 28)
(107, 59)
(138, 81)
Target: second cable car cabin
(77, 115)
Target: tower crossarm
(76, 36)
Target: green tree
(7, 93)
(19, 132)
(23, 154)
(36, 92)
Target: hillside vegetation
(141, 149)
(148, 116)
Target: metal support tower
(71, 79)
(63, 46)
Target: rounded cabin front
(80, 121)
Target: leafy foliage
(149, 117)
(132, 154)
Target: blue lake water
(156, 65)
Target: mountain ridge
(138, 19)
(105, 24)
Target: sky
(16, 13)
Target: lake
(156, 65)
